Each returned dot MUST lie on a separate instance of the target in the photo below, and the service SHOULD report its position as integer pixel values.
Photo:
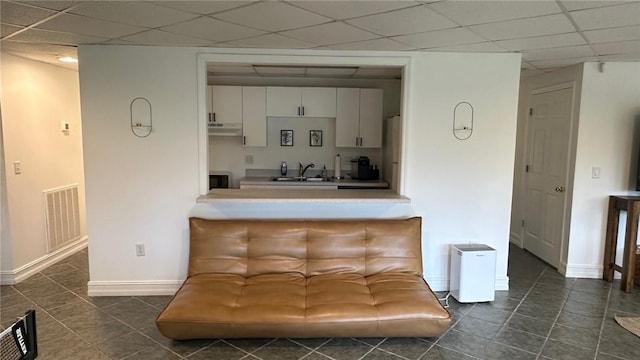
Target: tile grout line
(604, 320)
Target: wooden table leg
(628, 260)
(611, 239)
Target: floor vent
(62, 216)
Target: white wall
(143, 190)
(609, 122)
(36, 97)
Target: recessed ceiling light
(68, 59)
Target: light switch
(17, 168)
(595, 172)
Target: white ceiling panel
(623, 47)
(279, 70)
(542, 42)
(272, 16)
(481, 12)
(382, 44)
(56, 37)
(613, 35)
(406, 21)
(611, 16)
(384, 72)
(562, 62)
(621, 58)
(132, 12)
(515, 29)
(488, 47)
(6, 30)
(88, 26)
(433, 39)
(572, 5)
(51, 4)
(163, 38)
(331, 71)
(16, 14)
(274, 41)
(58, 50)
(203, 7)
(330, 34)
(212, 29)
(349, 9)
(580, 51)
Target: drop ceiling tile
(607, 17)
(6, 30)
(542, 42)
(58, 50)
(56, 37)
(272, 16)
(480, 12)
(613, 35)
(279, 70)
(573, 5)
(555, 63)
(203, 7)
(132, 12)
(330, 34)
(17, 14)
(212, 29)
(432, 39)
(384, 72)
(515, 29)
(331, 71)
(382, 44)
(45, 58)
(163, 38)
(621, 57)
(88, 26)
(478, 47)
(406, 21)
(53, 5)
(349, 9)
(579, 51)
(273, 41)
(622, 47)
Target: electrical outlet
(139, 249)
(248, 159)
(17, 168)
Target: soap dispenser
(283, 169)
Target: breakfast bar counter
(276, 195)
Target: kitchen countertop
(267, 181)
(309, 195)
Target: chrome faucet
(302, 170)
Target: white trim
(12, 277)
(584, 271)
(562, 269)
(441, 283)
(516, 239)
(133, 288)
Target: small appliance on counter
(361, 169)
(219, 180)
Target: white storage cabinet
(473, 273)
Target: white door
(348, 117)
(226, 104)
(319, 102)
(254, 115)
(284, 101)
(546, 178)
(371, 118)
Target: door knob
(560, 189)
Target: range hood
(225, 129)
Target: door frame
(570, 165)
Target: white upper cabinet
(301, 102)
(359, 118)
(224, 104)
(254, 116)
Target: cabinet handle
(303, 111)
(299, 111)
(244, 140)
(214, 117)
(361, 142)
(210, 117)
(356, 141)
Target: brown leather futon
(304, 278)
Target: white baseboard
(12, 277)
(516, 239)
(584, 271)
(133, 288)
(441, 283)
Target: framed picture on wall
(286, 137)
(315, 137)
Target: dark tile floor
(542, 316)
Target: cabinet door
(371, 118)
(254, 115)
(284, 101)
(226, 104)
(347, 117)
(319, 102)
